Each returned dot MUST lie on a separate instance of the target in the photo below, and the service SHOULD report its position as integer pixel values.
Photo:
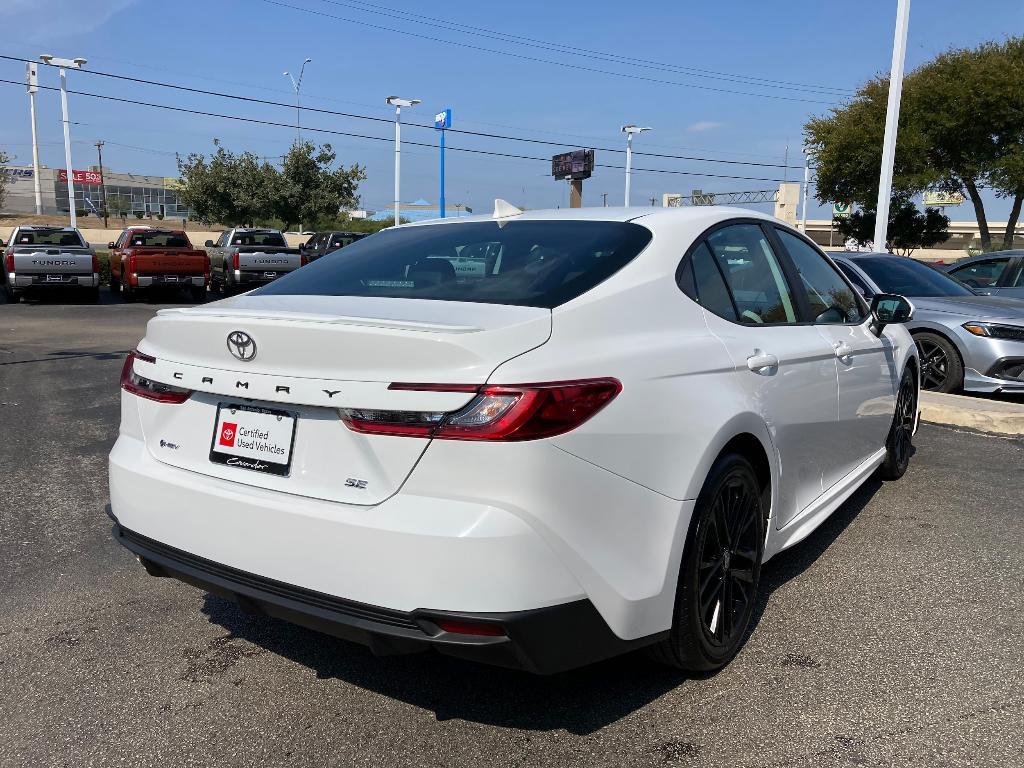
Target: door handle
(762, 362)
(842, 350)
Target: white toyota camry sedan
(534, 439)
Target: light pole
(297, 87)
(629, 130)
(32, 84)
(442, 122)
(64, 64)
(803, 194)
(398, 102)
(892, 119)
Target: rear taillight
(303, 259)
(498, 412)
(206, 268)
(235, 262)
(9, 258)
(143, 387)
(95, 263)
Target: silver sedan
(966, 340)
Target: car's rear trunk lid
(309, 356)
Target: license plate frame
(262, 465)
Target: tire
(92, 295)
(115, 284)
(727, 530)
(197, 293)
(942, 370)
(899, 443)
(128, 293)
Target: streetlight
(892, 118)
(398, 102)
(629, 130)
(803, 193)
(32, 84)
(297, 86)
(64, 64)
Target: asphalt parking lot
(893, 636)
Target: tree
(960, 131)
(310, 189)
(229, 188)
(5, 179)
(908, 230)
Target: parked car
(323, 243)
(243, 258)
(590, 445)
(966, 341)
(143, 258)
(39, 257)
(1000, 273)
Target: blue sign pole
(443, 121)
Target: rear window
(146, 238)
(903, 275)
(49, 237)
(275, 239)
(340, 240)
(526, 263)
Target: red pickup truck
(147, 257)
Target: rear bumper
(544, 640)
(257, 278)
(22, 281)
(149, 281)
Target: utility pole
(629, 130)
(653, 201)
(32, 84)
(604, 199)
(398, 102)
(64, 64)
(103, 182)
(892, 119)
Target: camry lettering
(207, 380)
(331, 392)
(178, 375)
(242, 384)
(286, 390)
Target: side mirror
(209, 243)
(888, 308)
(110, 246)
(1, 243)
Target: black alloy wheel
(899, 444)
(941, 369)
(720, 572)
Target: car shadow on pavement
(580, 701)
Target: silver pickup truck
(243, 259)
(39, 257)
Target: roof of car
(854, 255)
(47, 227)
(600, 213)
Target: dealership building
(127, 194)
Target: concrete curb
(994, 416)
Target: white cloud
(38, 21)
(704, 125)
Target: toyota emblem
(241, 345)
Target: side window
(981, 274)
(710, 289)
(832, 300)
(1016, 280)
(755, 278)
(854, 278)
(222, 240)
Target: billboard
(578, 164)
(941, 199)
(80, 177)
(842, 210)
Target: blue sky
(243, 46)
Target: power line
(290, 126)
(590, 53)
(388, 120)
(540, 60)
